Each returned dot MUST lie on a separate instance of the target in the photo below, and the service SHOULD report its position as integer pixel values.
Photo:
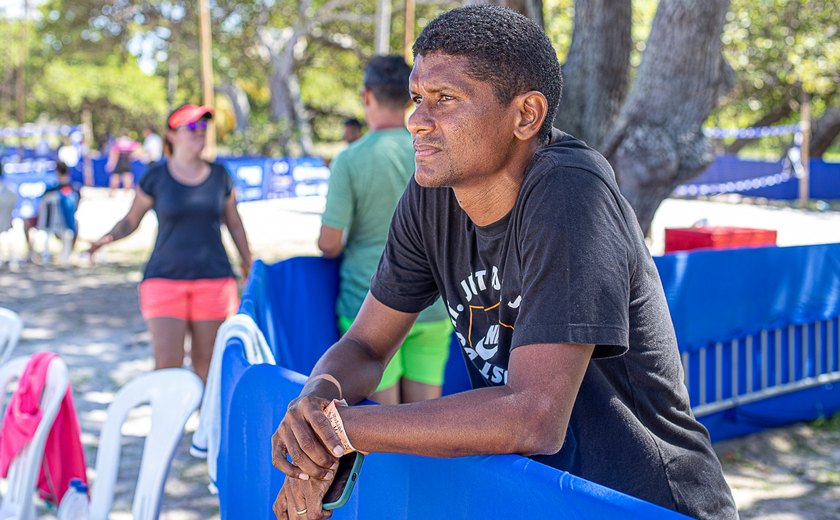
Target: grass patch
(828, 424)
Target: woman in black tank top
(188, 284)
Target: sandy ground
(89, 315)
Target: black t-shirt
(567, 265)
(189, 241)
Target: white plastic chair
(8, 201)
(51, 222)
(10, 328)
(23, 472)
(173, 395)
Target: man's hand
(306, 436)
(300, 499)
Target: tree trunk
(824, 131)
(657, 142)
(280, 103)
(302, 122)
(239, 102)
(595, 72)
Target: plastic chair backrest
(10, 328)
(23, 472)
(173, 395)
(49, 214)
(51, 221)
(8, 201)
(10, 371)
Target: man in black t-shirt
(523, 233)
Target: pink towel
(64, 457)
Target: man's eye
(446, 97)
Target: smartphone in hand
(345, 480)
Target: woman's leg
(202, 339)
(127, 180)
(168, 341)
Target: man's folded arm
(529, 415)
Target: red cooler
(685, 239)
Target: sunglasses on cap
(201, 124)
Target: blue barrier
(717, 295)
(399, 486)
(255, 178)
(759, 333)
(772, 180)
(293, 304)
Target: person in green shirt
(367, 180)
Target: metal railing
(757, 366)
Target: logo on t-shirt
(475, 316)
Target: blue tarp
(728, 297)
(824, 178)
(293, 303)
(718, 295)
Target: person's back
(377, 169)
(152, 146)
(367, 180)
(119, 162)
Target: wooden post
(408, 42)
(382, 28)
(20, 83)
(206, 47)
(805, 128)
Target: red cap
(188, 113)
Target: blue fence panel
(717, 295)
(311, 176)
(825, 179)
(248, 176)
(279, 183)
(759, 333)
(397, 486)
(293, 304)
(772, 180)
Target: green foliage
(88, 54)
(118, 94)
(261, 138)
(778, 48)
(828, 423)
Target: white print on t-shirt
(475, 283)
(478, 330)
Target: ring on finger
(301, 512)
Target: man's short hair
(352, 121)
(504, 48)
(61, 168)
(387, 78)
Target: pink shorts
(212, 299)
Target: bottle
(74, 504)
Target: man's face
(351, 133)
(462, 134)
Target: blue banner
(713, 297)
(772, 180)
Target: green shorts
(422, 357)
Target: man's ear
(532, 108)
(367, 97)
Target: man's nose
(419, 120)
